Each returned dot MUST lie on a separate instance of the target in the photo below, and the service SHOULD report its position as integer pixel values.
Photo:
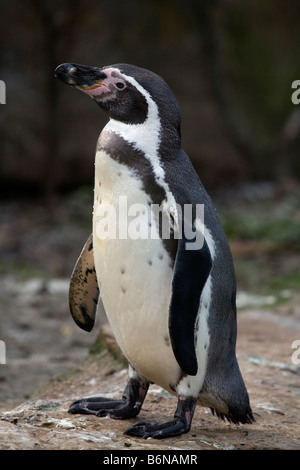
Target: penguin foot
(100, 406)
(128, 407)
(158, 431)
(180, 425)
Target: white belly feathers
(135, 278)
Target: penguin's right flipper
(84, 289)
(191, 271)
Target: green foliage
(281, 231)
(265, 241)
(23, 270)
(98, 346)
(272, 220)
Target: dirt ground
(48, 363)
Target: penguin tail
(235, 416)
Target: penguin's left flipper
(84, 289)
(181, 424)
(193, 265)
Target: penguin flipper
(84, 289)
(191, 271)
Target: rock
(58, 286)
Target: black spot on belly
(167, 340)
(122, 269)
(149, 261)
(123, 290)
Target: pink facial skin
(105, 86)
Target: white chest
(135, 274)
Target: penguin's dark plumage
(170, 298)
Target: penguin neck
(144, 137)
(156, 141)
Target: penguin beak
(83, 77)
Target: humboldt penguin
(158, 257)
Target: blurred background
(231, 65)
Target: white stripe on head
(145, 137)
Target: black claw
(138, 430)
(80, 406)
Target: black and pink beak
(86, 78)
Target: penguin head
(123, 91)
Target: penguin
(169, 296)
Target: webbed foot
(181, 424)
(100, 406)
(128, 407)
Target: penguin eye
(120, 85)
